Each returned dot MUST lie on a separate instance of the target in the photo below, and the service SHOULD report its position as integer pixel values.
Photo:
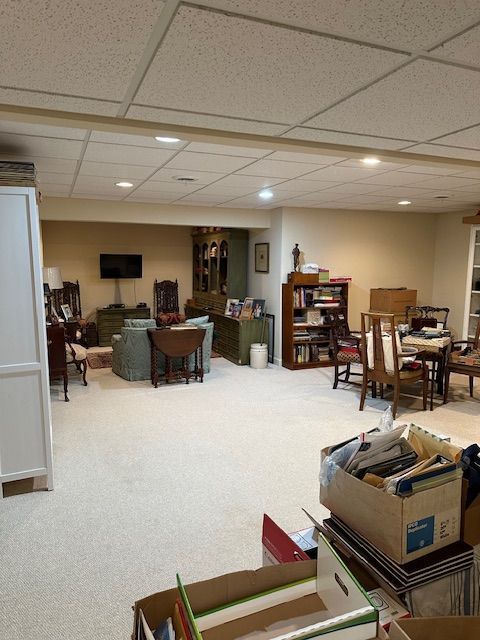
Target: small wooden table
(177, 343)
(436, 351)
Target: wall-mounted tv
(120, 265)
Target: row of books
(303, 353)
(307, 296)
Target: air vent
(185, 179)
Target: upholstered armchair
(131, 350)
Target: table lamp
(53, 278)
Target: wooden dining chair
(384, 367)
(453, 366)
(426, 316)
(345, 346)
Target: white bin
(258, 355)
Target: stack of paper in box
(284, 602)
(395, 502)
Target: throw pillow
(197, 321)
(169, 318)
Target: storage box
(451, 628)
(344, 609)
(392, 300)
(403, 528)
(470, 518)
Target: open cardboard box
(403, 528)
(310, 599)
(451, 628)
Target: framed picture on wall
(262, 250)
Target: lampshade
(53, 277)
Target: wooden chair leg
(65, 386)
(374, 389)
(396, 396)
(84, 372)
(446, 385)
(335, 380)
(381, 390)
(470, 384)
(347, 372)
(426, 379)
(364, 392)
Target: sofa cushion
(197, 321)
(169, 318)
(80, 352)
(140, 323)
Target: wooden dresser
(110, 321)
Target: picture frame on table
(237, 310)
(230, 305)
(262, 257)
(67, 312)
(247, 309)
(258, 308)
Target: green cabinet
(110, 321)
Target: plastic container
(258, 355)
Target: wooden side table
(177, 343)
(57, 359)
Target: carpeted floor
(153, 481)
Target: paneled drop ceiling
(401, 76)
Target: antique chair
(426, 316)
(131, 357)
(77, 355)
(453, 366)
(345, 346)
(70, 294)
(165, 297)
(383, 358)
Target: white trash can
(258, 355)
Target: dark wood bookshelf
(304, 285)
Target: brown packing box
(470, 519)
(452, 628)
(392, 300)
(403, 528)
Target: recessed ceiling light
(125, 185)
(166, 139)
(265, 194)
(185, 179)
(441, 197)
(404, 202)
(371, 162)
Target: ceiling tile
(109, 170)
(278, 169)
(469, 138)
(267, 72)
(469, 173)
(124, 154)
(463, 48)
(53, 165)
(218, 189)
(224, 150)
(96, 196)
(393, 23)
(447, 152)
(383, 166)
(149, 188)
(45, 177)
(437, 170)
(59, 189)
(132, 140)
(201, 177)
(47, 147)
(90, 184)
(407, 191)
(59, 102)
(165, 198)
(313, 158)
(198, 198)
(364, 199)
(243, 203)
(421, 101)
(248, 181)
(394, 178)
(186, 160)
(351, 188)
(448, 182)
(304, 185)
(338, 137)
(341, 174)
(167, 116)
(77, 48)
(41, 130)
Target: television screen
(120, 265)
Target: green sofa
(131, 350)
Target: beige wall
(377, 249)
(75, 248)
(451, 266)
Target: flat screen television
(120, 265)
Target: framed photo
(247, 310)
(262, 250)
(237, 309)
(271, 335)
(67, 312)
(230, 305)
(258, 308)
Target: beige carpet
(153, 481)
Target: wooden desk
(57, 359)
(177, 343)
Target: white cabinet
(25, 419)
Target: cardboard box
(403, 528)
(342, 607)
(470, 518)
(451, 628)
(392, 300)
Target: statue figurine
(296, 256)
